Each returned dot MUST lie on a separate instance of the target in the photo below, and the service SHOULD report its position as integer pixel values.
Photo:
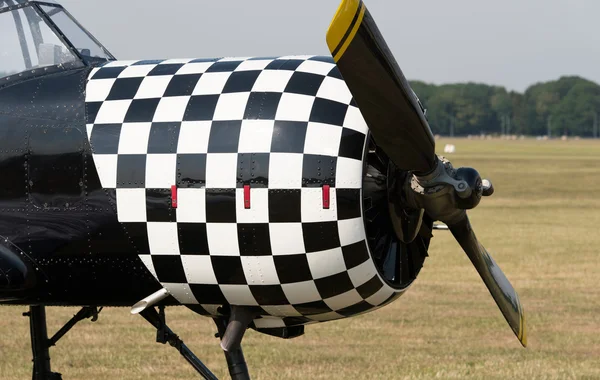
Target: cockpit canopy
(43, 35)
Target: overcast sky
(513, 43)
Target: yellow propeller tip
(344, 26)
(523, 335)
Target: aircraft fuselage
(227, 182)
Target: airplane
(264, 193)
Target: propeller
(493, 277)
(386, 100)
(398, 125)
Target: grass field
(543, 228)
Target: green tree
(571, 103)
(574, 115)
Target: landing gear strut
(230, 331)
(165, 335)
(40, 344)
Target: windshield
(86, 45)
(39, 34)
(28, 43)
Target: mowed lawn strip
(542, 227)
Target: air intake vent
(397, 262)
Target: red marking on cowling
(247, 196)
(326, 196)
(174, 196)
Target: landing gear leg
(40, 345)
(231, 333)
(165, 335)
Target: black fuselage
(53, 206)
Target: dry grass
(542, 227)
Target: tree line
(567, 106)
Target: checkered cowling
(286, 127)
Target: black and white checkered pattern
(286, 127)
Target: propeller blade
(503, 292)
(386, 100)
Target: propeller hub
(446, 192)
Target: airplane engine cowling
(249, 182)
